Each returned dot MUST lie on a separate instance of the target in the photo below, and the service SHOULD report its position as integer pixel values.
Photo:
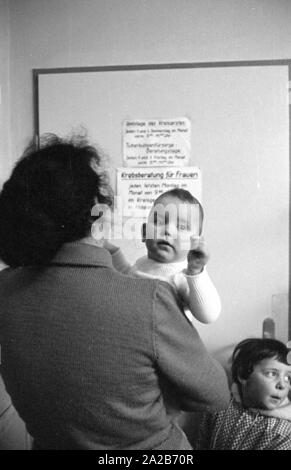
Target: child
(176, 253)
(262, 374)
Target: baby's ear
(143, 232)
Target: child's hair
(251, 351)
(185, 197)
(48, 199)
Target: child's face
(267, 386)
(170, 224)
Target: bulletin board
(240, 133)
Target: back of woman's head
(251, 351)
(47, 201)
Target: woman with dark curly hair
(84, 348)
(48, 200)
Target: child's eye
(182, 227)
(270, 373)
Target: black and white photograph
(144, 229)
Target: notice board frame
(38, 72)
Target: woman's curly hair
(48, 198)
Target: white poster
(156, 142)
(137, 188)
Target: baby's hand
(110, 247)
(197, 256)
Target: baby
(176, 253)
(262, 376)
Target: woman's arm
(181, 357)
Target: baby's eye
(182, 227)
(158, 220)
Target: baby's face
(268, 385)
(170, 224)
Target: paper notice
(156, 142)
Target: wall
(63, 33)
(5, 151)
(67, 33)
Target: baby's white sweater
(198, 293)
